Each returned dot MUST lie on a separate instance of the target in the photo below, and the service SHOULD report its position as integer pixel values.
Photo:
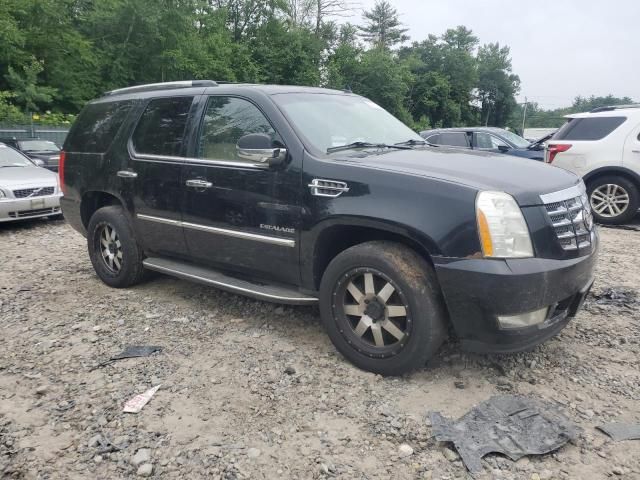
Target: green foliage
(56, 55)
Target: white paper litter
(135, 404)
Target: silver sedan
(26, 191)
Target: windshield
(38, 146)
(332, 120)
(10, 158)
(516, 140)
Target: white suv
(603, 147)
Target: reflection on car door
(239, 215)
(156, 152)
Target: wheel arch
(333, 238)
(93, 200)
(613, 170)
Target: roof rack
(149, 87)
(614, 107)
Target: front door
(156, 152)
(239, 215)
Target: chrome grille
(33, 192)
(570, 215)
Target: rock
(97, 328)
(42, 390)
(145, 470)
(290, 370)
(459, 384)
(450, 454)
(97, 459)
(534, 476)
(142, 456)
(94, 441)
(405, 450)
(253, 453)
(546, 475)
(618, 471)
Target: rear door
(156, 156)
(631, 155)
(238, 215)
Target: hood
(12, 177)
(43, 155)
(524, 179)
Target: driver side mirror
(503, 148)
(259, 148)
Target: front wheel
(382, 307)
(113, 248)
(614, 200)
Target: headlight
(501, 226)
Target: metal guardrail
(56, 134)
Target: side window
(434, 139)
(161, 128)
(96, 127)
(454, 139)
(483, 141)
(225, 121)
(496, 142)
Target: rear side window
(453, 139)
(595, 128)
(96, 127)
(161, 128)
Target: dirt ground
(255, 390)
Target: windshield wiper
(412, 142)
(365, 145)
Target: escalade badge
(276, 228)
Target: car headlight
(502, 229)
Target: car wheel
(113, 249)
(382, 307)
(614, 200)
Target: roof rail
(149, 87)
(614, 107)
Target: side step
(270, 293)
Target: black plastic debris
(616, 296)
(132, 351)
(621, 431)
(509, 424)
(136, 351)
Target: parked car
(26, 190)
(250, 189)
(487, 139)
(45, 153)
(603, 147)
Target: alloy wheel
(375, 311)
(110, 248)
(609, 200)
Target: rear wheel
(382, 309)
(113, 249)
(614, 200)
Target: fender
(613, 170)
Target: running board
(206, 276)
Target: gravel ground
(255, 390)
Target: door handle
(635, 151)
(127, 174)
(199, 184)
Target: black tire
(595, 187)
(414, 286)
(130, 270)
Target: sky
(560, 49)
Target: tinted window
(225, 121)
(487, 141)
(435, 139)
(96, 127)
(453, 139)
(595, 128)
(162, 126)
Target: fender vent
(327, 188)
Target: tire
(124, 267)
(603, 190)
(372, 343)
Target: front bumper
(477, 291)
(24, 208)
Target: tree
(383, 28)
(497, 86)
(25, 86)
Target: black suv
(305, 195)
(43, 153)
